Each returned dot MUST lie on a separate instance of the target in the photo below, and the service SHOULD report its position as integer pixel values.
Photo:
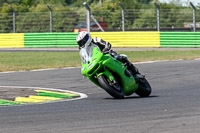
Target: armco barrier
(117, 39)
(180, 39)
(67, 39)
(130, 39)
(12, 40)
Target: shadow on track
(131, 97)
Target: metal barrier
(180, 39)
(117, 39)
(20, 40)
(130, 39)
(12, 40)
(50, 39)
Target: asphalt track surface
(174, 106)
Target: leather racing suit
(106, 46)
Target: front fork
(112, 81)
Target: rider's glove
(107, 48)
(105, 51)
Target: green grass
(23, 61)
(20, 61)
(139, 56)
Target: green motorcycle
(111, 75)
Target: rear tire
(116, 93)
(144, 88)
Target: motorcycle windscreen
(86, 53)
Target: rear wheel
(144, 88)
(115, 90)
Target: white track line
(39, 70)
(65, 68)
(82, 96)
(148, 62)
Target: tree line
(31, 14)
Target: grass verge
(24, 61)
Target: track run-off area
(173, 106)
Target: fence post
(194, 17)
(88, 18)
(51, 18)
(158, 16)
(88, 15)
(14, 19)
(123, 17)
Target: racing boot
(124, 59)
(131, 68)
(135, 71)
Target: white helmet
(83, 38)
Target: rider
(84, 38)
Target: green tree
(144, 1)
(55, 2)
(27, 2)
(33, 15)
(2, 2)
(174, 16)
(198, 6)
(146, 19)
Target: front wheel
(114, 90)
(144, 88)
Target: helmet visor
(83, 41)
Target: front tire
(114, 92)
(144, 88)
